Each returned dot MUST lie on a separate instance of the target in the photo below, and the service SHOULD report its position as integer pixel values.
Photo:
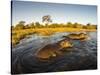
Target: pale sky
(60, 13)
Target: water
(82, 56)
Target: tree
(22, 22)
(37, 24)
(20, 25)
(69, 24)
(32, 25)
(75, 25)
(89, 26)
(46, 19)
(27, 26)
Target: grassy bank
(17, 35)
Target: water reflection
(82, 56)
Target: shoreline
(18, 35)
(55, 30)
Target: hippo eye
(62, 43)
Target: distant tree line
(22, 25)
(46, 19)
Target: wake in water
(82, 56)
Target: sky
(60, 13)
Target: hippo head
(65, 44)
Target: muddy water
(82, 56)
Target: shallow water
(82, 56)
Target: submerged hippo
(52, 50)
(80, 36)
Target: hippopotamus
(80, 36)
(53, 50)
